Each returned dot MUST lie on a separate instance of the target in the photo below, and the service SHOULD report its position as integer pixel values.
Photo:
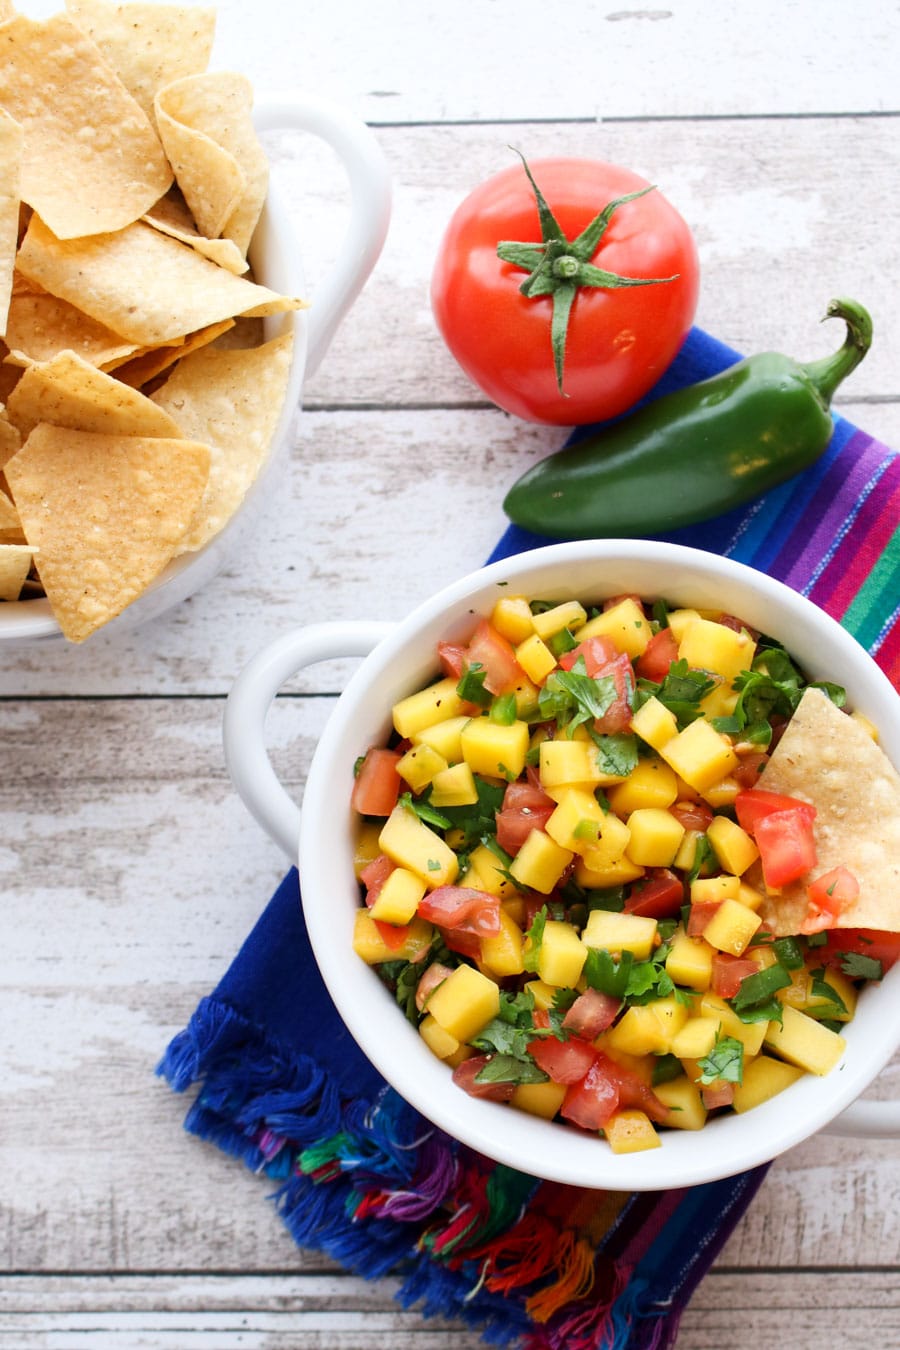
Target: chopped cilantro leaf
(860, 967)
(503, 710)
(724, 1063)
(471, 686)
(505, 1068)
(665, 1069)
(617, 754)
(480, 819)
(571, 697)
(535, 937)
(425, 812)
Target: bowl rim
(725, 1146)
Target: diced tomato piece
(591, 1013)
(756, 803)
(374, 875)
(700, 914)
(526, 807)
(880, 946)
(595, 652)
(464, 1076)
(693, 815)
(634, 1092)
(787, 846)
(611, 601)
(462, 908)
(658, 895)
(658, 655)
(463, 942)
(738, 625)
(377, 785)
(717, 1094)
(393, 935)
(729, 973)
(590, 1102)
(829, 895)
(452, 659)
(541, 1018)
(564, 1061)
(434, 975)
(497, 656)
(749, 768)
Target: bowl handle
(370, 205)
(867, 1119)
(249, 701)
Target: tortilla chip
(106, 514)
(92, 161)
(230, 400)
(15, 564)
(148, 45)
(42, 325)
(9, 516)
(206, 126)
(72, 393)
(170, 214)
(10, 440)
(828, 758)
(144, 285)
(12, 141)
(7, 10)
(145, 367)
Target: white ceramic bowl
(401, 659)
(276, 262)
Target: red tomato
(658, 895)
(749, 769)
(619, 341)
(787, 848)
(595, 652)
(751, 806)
(374, 875)
(729, 973)
(377, 785)
(452, 659)
(829, 895)
(591, 1013)
(883, 947)
(717, 1094)
(693, 815)
(564, 1061)
(526, 807)
(700, 914)
(659, 653)
(464, 1076)
(462, 908)
(590, 1102)
(495, 653)
(434, 975)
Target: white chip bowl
(276, 262)
(401, 659)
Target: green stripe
(878, 596)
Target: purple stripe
(828, 506)
(667, 1202)
(827, 539)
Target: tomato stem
(559, 267)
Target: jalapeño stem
(829, 371)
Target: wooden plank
(278, 1311)
(690, 58)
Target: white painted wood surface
(131, 873)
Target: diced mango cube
(544, 994)
(655, 836)
(687, 850)
(707, 645)
(731, 927)
(679, 619)
(750, 1034)
(366, 847)
(493, 749)
(803, 1041)
(631, 1131)
(535, 658)
(685, 1104)
(750, 896)
(439, 1041)
(570, 614)
(600, 878)
(624, 623)
(410, 843)
(763, 1078)
(465, 1002)
(511, 616)
(371, 946)
(638, 1032)
(539, 863)
(821, 1003)
(502, 955)
(695, 1039)
(436, 703)
(419, 765)
(399, 897)
(610, 845)
(732, 846)
(566, 763)
(723, 793)
(486, 873)
(713, 890)
(689, 961)
(454, 786)
(444, 737)
(577, 820)
(650, 784)
(699, 754)
(539, 1099)
(655, 723)
(634, 933)
(562, 954)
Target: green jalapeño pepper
(696, 452)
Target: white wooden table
(131, 872)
